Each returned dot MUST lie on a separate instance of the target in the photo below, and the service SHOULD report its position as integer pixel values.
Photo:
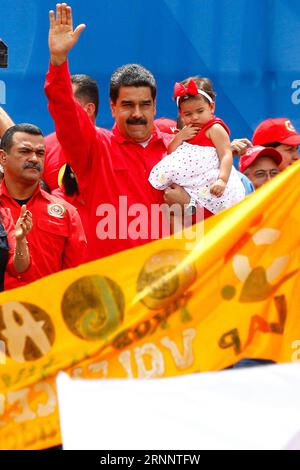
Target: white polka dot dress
(196, 168)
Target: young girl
(200, 158)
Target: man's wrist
(58, 60)
(21, 249)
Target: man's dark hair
(44, 186)
(87, 89)
(272, 144)
(131, 75)
(7, 139)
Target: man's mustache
(35, 166)
(142, 121)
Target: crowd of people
(74, 196)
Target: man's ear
(113, 108)
(90, 108)
(154, 107)
(2, 157)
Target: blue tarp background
(249, 48)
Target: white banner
(250, 408)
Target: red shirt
(57, 239)
(78, 201)
(54, 160)
(202, 139)
(166, 125)
(107, 166)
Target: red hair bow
(181, 90)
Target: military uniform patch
(57, 210)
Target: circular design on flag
(93, 307)
(164, 279)
(57, 210)
(26, 330)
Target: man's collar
(4, 191)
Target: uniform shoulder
(59, 202)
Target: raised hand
(24, 223)
(62, 37)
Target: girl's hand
(24, 223)
(188, 132)
(218, 188)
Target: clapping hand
(24, 223)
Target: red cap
(166, 125)
(276, 130)
(253, 153)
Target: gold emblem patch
(56, 210)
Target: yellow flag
(170, 307)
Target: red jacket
(78, 201)
(54, 160)
(107, 167)
(57, 239)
